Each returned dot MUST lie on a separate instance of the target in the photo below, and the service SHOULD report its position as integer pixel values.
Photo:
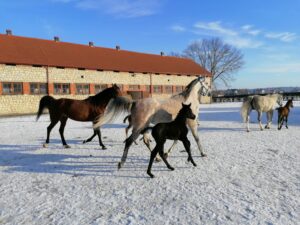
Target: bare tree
(219, 58)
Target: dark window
(147, 88)
(156, 89)
(82, 89)
(38, 88)
(133, 87)
(168, 89)
(100, 87)
(12, 88)
(61, 89)
(178, 89)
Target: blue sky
(267, 32)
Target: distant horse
(260, 104)
(175, 130)
(283, 114)
(151, 110)
(88, 109)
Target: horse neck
(180, 118)
(101, 98)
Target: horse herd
(172, 116)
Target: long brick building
(31, 68)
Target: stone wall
(27, 103)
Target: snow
(247, 178)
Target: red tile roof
(33, 51)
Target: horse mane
(185, 93)
(103, 96)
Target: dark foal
(283, 114)
(88, 109)
(175, 130)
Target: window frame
(12, 88)
(61, 88)
(83, 88)
(38, 88)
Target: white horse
(151, 110)
(260, 104)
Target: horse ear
(189, 105)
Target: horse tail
(113, 109)
(245, 107)
(45, 102)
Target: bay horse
(260, 104)
(88, 109)
(175, 130)
(283, 114)
(151, 110)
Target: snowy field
(247, 178)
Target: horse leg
(63, 122)
(153, 154)
(286, 122)
(170, 149)
(259, 114)
(247, 120)
(49, 128)
(128, 143)
(98, 132)
(270, 117)
(91, 138)
(161, 153)
(281, 120)
(187, 146)
(146, 140)
(193, 126)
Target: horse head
(187, 111)
(204, 89)
(279, 100)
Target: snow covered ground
(247, 178)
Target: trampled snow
(247, 178)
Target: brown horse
(283, 113)
(88, 109)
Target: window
(168, 89)
(82, 89)
(38, 88)
(178, 89)
(156, 88)
(133, 87)
(147, 88)
(61, 88)
(12, 88)
(100, 87)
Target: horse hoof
(67, 146)
(157, 159)
(103, 148)
(84, 142)
(166, 155)
(171, 168)
(45, 145)
(150, 174)
(203, 155)
(194, 164)
(119, 165)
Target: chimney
(91, 44)
(118, 47)
(56, 38)
(8, 32)
(162, 53)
